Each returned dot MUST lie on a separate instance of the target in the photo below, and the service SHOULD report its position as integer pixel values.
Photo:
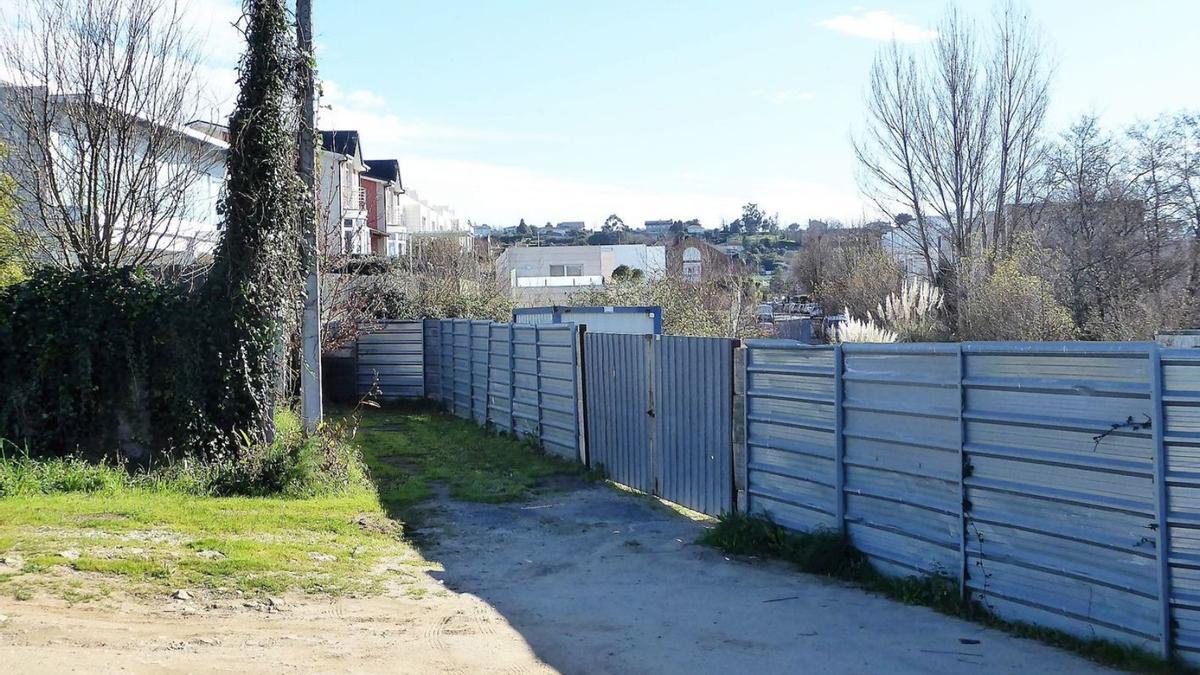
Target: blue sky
(568, 110)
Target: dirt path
(585, 580)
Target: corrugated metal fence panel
(480, 351)
(617, 402)
(462, 368)
(790, 439)
(693, 408)
(1060, 527)
(557, 391)
(446, 361)
(901, 461)
(1181, 403)
(500, 376)
(525, 399)
(391, 359)
(433, 359)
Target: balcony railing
(560, 282)
(354, 198)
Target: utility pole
(310, 324)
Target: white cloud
(366, 111)
(878, 25)
(502, 195)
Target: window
(566, 270)
(692, 267)
(349, 240)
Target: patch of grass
(258, 545)
(408, 450)
(827, 553)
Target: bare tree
(887, 152)
(95, 111)
(1185, 169)
(1021, 86)
(955, 132)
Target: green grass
(154, 542)
(827, 553)
(306, 513)
(411, 450)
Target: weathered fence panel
(432, 329)
(693, 408)
(619, 407)
(391, 359)
(446, 361)
(901, 457)
(1180, 386)
(480, 352)
(558, 391)
(500, 376)
(791, 471)
(461, 351)
(1060, 509)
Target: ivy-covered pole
(310, 322)
(253, 289)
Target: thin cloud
(878, 25)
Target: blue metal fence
(522, 379)
(1034, 474)
(1057, 483)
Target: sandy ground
(588, 580)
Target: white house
(341, 198)
(540, 274)
(193, 168)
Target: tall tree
(1021, 87)
(252, 291)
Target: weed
(827, 553)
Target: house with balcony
(342, 199)
(548, 274)
(384, 193)
(177, 223)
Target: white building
(192, 169)
(341, 198)
(904, 245)
(545, 274)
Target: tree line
(1084, 232)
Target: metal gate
(693, 420)
(618, 406)
(660, 412)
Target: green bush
(295, 465)
(96, 362)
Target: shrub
(853, 329)
(914, 313)
(1010, 297)
(294, 465)
(95, 363)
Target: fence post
(537, 378)
(739, 429)
(963, 471)
(1161, 505)
(512, 378)
(581, 420)
(651, 425)
(839, 441)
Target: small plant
(914, 313)
(852, 329)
